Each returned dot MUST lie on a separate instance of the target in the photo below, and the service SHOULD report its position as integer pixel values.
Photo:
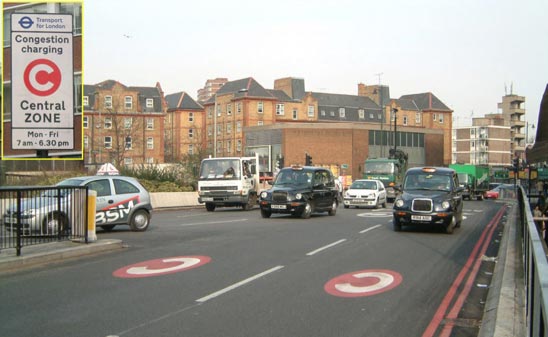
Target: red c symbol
(42, 77)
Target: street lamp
(394, 112)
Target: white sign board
(42, 78)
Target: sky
(469, 53)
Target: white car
(365, 193)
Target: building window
(238, 126)
(239, 145)
(150, 143)
(108, 142)
(86, 142)
(361, 114)
(108, 102)
(76, 10)
(108, 123)
(228, 146)
(322, 113)
(440, 118)
(342, 113)
(128, 121)
(190, 133)
(150, 103)
(210, 112)
(128, 102)
(379, 116)
(295, 114)
(229, 109)
(310, 111)
(404, 120)
(260, 123)
(434, 117)
(129, 143)
(209, 128)
(239, 107)
(150, 160)
(128, 161)
(332, 113)
(190, 149)
(219, 129)
(280, 109)
(85, 122)
(229, 128)
(218, 110)
(418, 118)
(85, 101)
(150, 123)
(191, 116)
(260, 107)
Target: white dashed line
(370, 228)
(239, 284)
(325, 247)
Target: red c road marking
(363, 283)
(42, 77)
(159, 267)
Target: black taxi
(300, 191)
(429, 195)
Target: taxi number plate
(207, 199)
(278, 206)
(421, 217)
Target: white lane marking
(239, 284)
(211, 222)
(370, 229)
(325, 247)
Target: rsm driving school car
(120, 201)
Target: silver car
(365, 193)
(47, 211)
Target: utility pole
(382, 112)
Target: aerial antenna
(511, 88)
(505, 89)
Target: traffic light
(308, 160)
(515, 164)
(280, 162)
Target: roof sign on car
(429, 169)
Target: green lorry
(389, 170)
(474, 179)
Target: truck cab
(228, 182)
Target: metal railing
(36, 215)
(535, 270)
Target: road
(233, 273)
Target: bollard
(92, 201)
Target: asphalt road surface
(233, 273)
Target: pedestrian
(537, 213)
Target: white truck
(229, 182)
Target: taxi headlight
(298, 196)
(445, 204)
(399, 203)
(264, 195)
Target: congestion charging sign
(42, 81)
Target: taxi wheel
(307, 211)
(53, 223)
(139, 220)
(265, 214)
(450, 226)
(210, 207)
(397, 225)
(333, 209)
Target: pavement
(53, 252)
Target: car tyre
(397, 225)
(265, 214)
(139, 220)
(307, 211)
(346, 206)
(450, 227)
(53, 223)
(210, 207)
(333, 209)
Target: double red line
(471, 268)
